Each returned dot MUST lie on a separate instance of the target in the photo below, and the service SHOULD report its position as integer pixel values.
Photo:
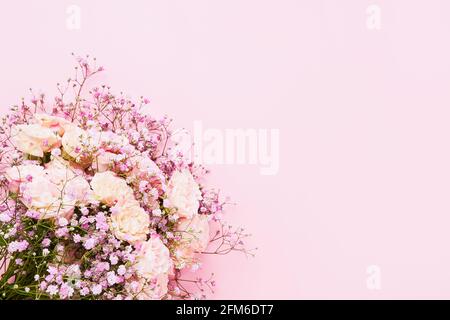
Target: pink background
(363, 116)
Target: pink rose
(57, 124)
(18, 174)
(184, 193)
(152, 259)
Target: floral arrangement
(95, 204)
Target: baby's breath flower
(97, 202)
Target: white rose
(61, 170)
(46, 198)
(34, 139)
(109, 188)
(75, 141)
(53, 191)
(70, 180)
(18, 174)
(78, 191)
(57, 124)
(184, 193)
(103, 161)
(152, 259)
(130, 222)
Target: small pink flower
(52, 270)
(89, 243)
(33, 214)
(65, 291)
(97, 289)
(62, 232)
(46, 242)
(121, 270)
(17, 246)
(88, 273)
(52, 290)
(56, 152)
(76, 238)
(43, 285)
(84, 291)
(102, 266)
(63, 222)
(143, 185)
(113, 259)
(4, 217)
(112, 278)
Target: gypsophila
(95, 204)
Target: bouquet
(97, 203)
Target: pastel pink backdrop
(363, 115)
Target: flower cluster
(93, 205)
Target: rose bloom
(109, 188)
(152, 259)
(77, 191)
(57, 124)
(111, 141)
(147, 168)
(194, 239)
(130, 222)
(143, 289)
(62, 170)
(18, 174)
(104, 161)
(46, 198)
(184, 193)
(53, 191)
(77, 141)
(34, 139)
(144, 165)
(69, 179)
(145, 171)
